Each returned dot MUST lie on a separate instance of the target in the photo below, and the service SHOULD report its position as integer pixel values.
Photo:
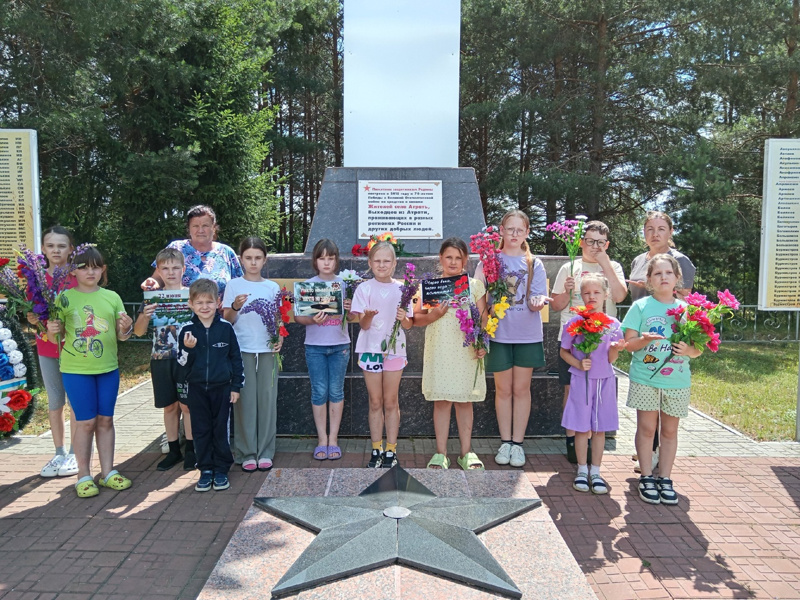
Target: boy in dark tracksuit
(210, 353)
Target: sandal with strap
(470, 462)
(115, 481)
(321, 453)
(86, 488)
(599, 485)
(439, 462)
(581, 483)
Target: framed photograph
(444, 289)
(311, 298)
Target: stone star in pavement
(396, 520)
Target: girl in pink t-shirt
(327, 355)
(377, 304)
(57, 245)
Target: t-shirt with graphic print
(652, 365)
(90, 324)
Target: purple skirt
(600, 413)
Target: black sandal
(581, 483)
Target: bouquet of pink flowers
(570, 232)
(408, 290)
(487, 246)
(695, 322)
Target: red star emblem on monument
(366, 188)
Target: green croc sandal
(470, 462)
(438, 462)
(86, 488)
(115, 481)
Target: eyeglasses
(514, 231)
(595, 243)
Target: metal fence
(749, 324)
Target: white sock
(583, 470)
(594, 470)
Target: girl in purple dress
(592, 402)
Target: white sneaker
(53, 465)
(517, 456)
(70, 466)
(655, 457)
(164, 444)
(503, 456)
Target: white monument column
(401, 67)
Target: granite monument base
(294, 391)
(264, 547)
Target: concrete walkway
(735, 533)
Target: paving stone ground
(735, 533)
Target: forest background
(606, 108)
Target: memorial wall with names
(19, 191)
(779, 274)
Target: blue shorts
(92, 395)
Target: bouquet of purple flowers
(408, 289)
(42, 295)
(13, 288)
(469, 321)
(274, 314)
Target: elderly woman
(205, 258)
(658, 237)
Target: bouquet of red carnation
(408, 289)
(486, 245)
(274, 315)
(11, 408)
(592, 326)
(695, 322)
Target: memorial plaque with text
(779, 276)
(19, 191)
(409, 209)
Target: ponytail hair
(657, 214)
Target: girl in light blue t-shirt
(659, 376)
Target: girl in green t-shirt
(92, 319)
(659, 376)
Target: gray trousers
(256, 414)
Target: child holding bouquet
(660, 379)
(450, 374)
(327, 355)
(517, 345)
(92, 319)
(592, 401)
(256, 412)
(378, 305)
(57, 245)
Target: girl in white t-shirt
(255, 414)
(327, 355)
(377, 305)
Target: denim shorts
(327, 366)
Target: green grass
(751, 387)
(134, 368)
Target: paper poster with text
(172, 313)
(444, 289)
(408, 209)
